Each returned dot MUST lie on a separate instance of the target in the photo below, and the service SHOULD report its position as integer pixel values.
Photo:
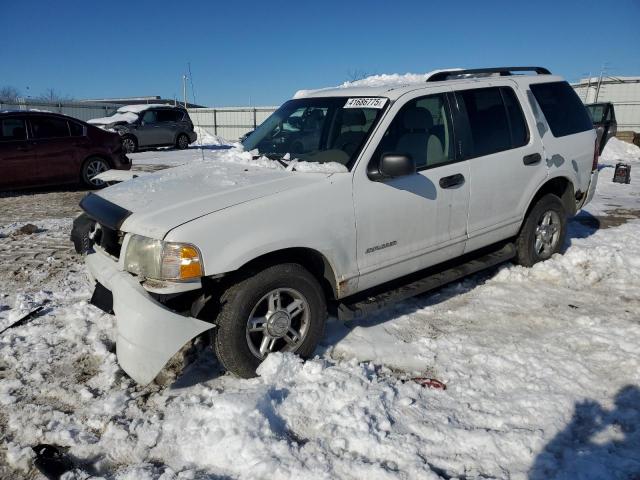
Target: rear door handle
(532, 159)
(452, 181)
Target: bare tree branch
(9, 94)
(50, 95)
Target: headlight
(160, 260)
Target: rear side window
(562, 108)
(517, 123)
(488, 122)
(169, 115)
(76, 129)
(12, 129)
(45, 127)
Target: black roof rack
(503, 71)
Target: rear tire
(129, 144)
(543, 231)
(280, 308)
(182, 142)
(91, 167)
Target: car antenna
(193, 94)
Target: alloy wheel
(94, 167)
(129, 145)
(547, 234)
(278, 322)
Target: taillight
(596, 149)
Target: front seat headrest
(417, 118)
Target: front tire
(91, 167)
(280, 308)
(543, 231)
(129, 144)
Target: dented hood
(162, 201)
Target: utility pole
(184, 89)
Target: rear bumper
(148, 333)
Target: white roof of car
(393, 86)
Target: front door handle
(532, 159)
(452, 181)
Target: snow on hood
(168, 198)
(126, 113)
(618, 151)
(127, 117)
(141, 107)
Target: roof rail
(503, 71)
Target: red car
(39, 148)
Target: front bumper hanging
(148, 333)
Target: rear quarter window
(562, 108)
(76, 129)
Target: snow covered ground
(542, 369)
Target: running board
(350, 311)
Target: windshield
(330, 129)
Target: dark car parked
(40, 148)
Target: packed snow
(140, 107)
(127, 117)
(231, 153)
(541, 365)
(618, 151)
(207, 138)
(380, 80)
(389, 79)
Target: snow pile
(207, 139)
(126, 113)
(388, 79)
(381, 80)
(140, 107)
(315, 167)
(127, 117)
(618, 151)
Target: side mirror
(396, 165)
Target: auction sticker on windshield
(370, 102)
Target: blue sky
(261, 52)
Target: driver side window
(421, 129)
(150, 116)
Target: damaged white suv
(344, 200)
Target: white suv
(357, 197)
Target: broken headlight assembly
(158, 260)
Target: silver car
(142, 126)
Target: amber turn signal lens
(190, 266)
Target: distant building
(140, 100)
(623, 92)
